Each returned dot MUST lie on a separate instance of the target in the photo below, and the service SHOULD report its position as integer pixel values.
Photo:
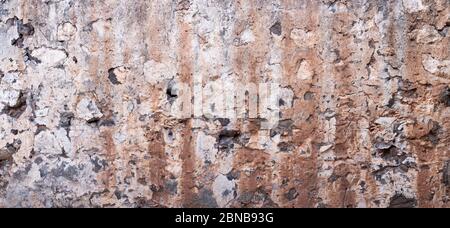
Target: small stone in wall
(413, 6)
(65, 31)
(113, 77)
(25, 29)
(88, 110)
(283, 128)
(436, 66)
(303, 38)
(223, 189)
(286, 98)
(47, 143)
(308, 96)
(67, 171)
(428, 34)
(233, 175)
(183, 5)
(286, 147)
(304, 71)
(245, 38)
(10, 97)
(49, 56)
(98, 164)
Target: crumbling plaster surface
(134, 103)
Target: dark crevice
(286, 146)
(24, 30)
(29, 58)
(106, 122)
(276, 28)
(233, 175)
(10, 149)
(433, 135)
(283, 128)
(17, 110)
(407, 89)
(65, 121)
(400, 201)
(223, 121)
(227, 138)
(308, 96)
(113, 77)
(291, 194)
(171, 92)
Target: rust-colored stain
(188, 177)
(110, 175)
(157, 173)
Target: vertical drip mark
(156, 171)
(97, 68)
(249, 59)
(156, 51)
(346, 121)
(296, 171)
(109, 145)
(187, 156)
(365, 186)
(188, 166)
(428, 162)
(107, 41)
(327, 84)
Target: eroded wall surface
(346, 103)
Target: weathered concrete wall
(224, 103)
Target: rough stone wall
(116, 103)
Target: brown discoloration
(185, 48)
(297, 171)
(427, 154)
(255, 175)
(157, 173)
(155, 34)
(249, 60)
(346, 122)
(109, 178)
(188, 184)
(187, 156)
(343, 179)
